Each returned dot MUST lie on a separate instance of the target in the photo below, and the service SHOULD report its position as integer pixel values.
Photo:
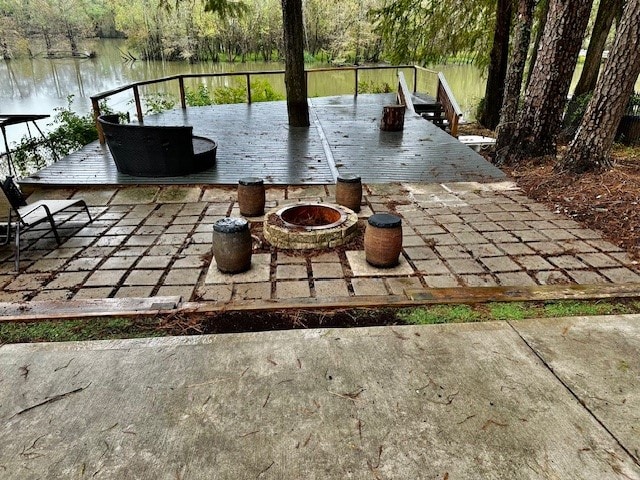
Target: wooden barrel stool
(232, 245)
(251, 196)
(349, 192)
(383, 240)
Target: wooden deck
(255, 140)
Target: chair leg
(86, 209)
(17, 261)
(55, 230)
(7, 238)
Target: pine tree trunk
(545, 99)
(543, 6)
(490, 115)
(589, 76)
(515, 73)
(294, 77)
(591, 146)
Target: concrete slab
(598, 358)
(450, 401)
(259, 272)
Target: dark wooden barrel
(251, 196)
(232, 245)
(383, 240)
(349, 191)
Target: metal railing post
(183, 100)
(248, 76)
(356, 90)
(415, 79)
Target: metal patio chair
(31, 214)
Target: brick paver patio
(156, 241)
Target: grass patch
(439, 314)
(504, 311)
(76, 330)
(512, 311)
(574, 308)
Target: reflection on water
(41, 85)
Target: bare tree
(591, 146)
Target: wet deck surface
(255, 140)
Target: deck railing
(444, 96)
(449, 104)
(135, 87)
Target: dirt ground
(607, 202)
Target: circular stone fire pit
(310, 226)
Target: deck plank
(255, 140)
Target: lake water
(42, 85)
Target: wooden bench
(156, 151)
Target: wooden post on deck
(392, 118)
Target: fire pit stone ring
(307, 226)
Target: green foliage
(480, 108)
(262, 91)
(439, 314)
(309, 58)
(576, 109)
(72, 132)
(372, 87)
(433, 31)
(192, 30)
(198, 97)
(226, 8)
(31, 154)
(158, 102)
(633, 107)
(223, 95)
